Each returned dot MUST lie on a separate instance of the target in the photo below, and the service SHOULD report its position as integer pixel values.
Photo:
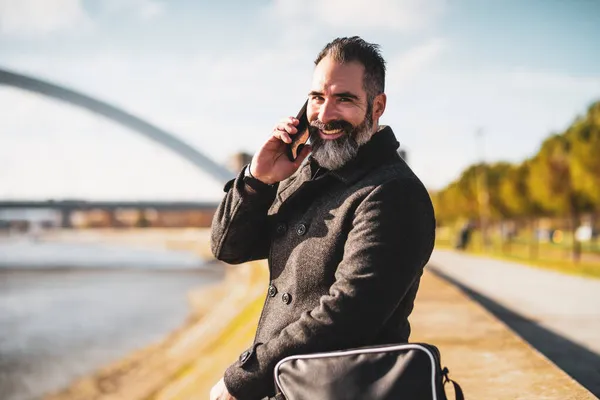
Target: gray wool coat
(346, 251)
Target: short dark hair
(349, 49)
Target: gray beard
(334, 154)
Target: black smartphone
(301, 137)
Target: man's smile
(330, 134)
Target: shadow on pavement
(580, 363)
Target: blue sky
(220, 74)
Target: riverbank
(74, 301)
(189, 361)
(57, 325)
(487, 358)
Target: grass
(555, 257)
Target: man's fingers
(283, 135)
(287, 128)
(290, 120)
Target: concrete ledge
(487, 359)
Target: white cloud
(39, 17)
(404, 67)
(540, 81)
(143, 9)
(151, 9)
(34, 17)
(394, 15)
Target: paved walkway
(487, 359)
(556, 313)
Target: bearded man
(347, 228)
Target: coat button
(286, 298)
(272, 291)
(281, 228)
(301, 229)
(244, 356)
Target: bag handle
(457, 389)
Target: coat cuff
(251, 188)
(236, 378)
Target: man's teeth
(335, 132)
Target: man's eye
(345, 99)
(317, 98)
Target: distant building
(26, 219)
(239, 160)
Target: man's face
(340, 116)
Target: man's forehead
(330, 75)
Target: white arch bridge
(135, 124)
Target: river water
(60, 321)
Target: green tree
(584, 138)
(562, 179)
(518, 202)
(494, 175)
(551, 185)
(514, 192)
(466, 191)
(462, 198)
(450, 204)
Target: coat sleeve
(391, 239)
(240, 231)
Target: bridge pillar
(142, 219)
(66, 221)
(113, 222)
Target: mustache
(332, 125)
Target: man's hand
(219, 392)
(270, 164)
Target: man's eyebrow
(346, 94)
(341, 94)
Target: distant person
(347, 229)
(464, 236)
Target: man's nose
(327, 112)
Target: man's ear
(379, 103)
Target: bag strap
(457, 389)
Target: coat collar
(375, 152)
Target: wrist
(249, 174)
